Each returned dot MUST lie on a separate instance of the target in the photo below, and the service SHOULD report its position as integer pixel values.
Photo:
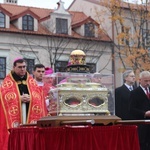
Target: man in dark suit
(140, 108)
(122, 95)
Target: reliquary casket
(80, 94)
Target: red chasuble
(10, 106)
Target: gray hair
(126, 73)
(144, 74)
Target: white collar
(144, 88)
(128, 86)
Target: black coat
(122, 96)
(138, 106)
(139, 103)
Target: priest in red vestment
(21, 101)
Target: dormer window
(61, 26)
(27, 23)
(89, 30)
(2, 20)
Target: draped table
(115, 137)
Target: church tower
(11, 2)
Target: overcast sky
(52, 4)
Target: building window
(89, 30)
(92, 67)
(2, 20)
(30, 65)
(2, 67)
(61, 26)
(28, 23)
(60, 66)
(146, 37)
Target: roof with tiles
(15, 11)
(122, 4)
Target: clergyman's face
(20, 69)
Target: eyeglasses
(21, 67)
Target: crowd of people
(25, 99)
